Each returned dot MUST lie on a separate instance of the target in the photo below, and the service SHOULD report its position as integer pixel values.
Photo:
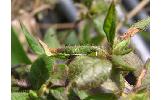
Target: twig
(132, 13)
(144, 71)
(137, 9)
(136, 27)
(58, 25)
(140, 78)
(61, 25)
(41, 8)
(130, 33)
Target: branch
(132, 13)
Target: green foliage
(98, 25)
(78, 50)
(18, 55)
(82, 94)
(71, 39)
(19, 96)
(117, 81)
(33, 43)
(122, 48)
(83, 50)
(130, 62)
(137, 96)
(99, 7)
(60, 71)
(93, 74)
(50, 39)
(59, 94)
(122, 63)
(86, 33)
(110, 24)
(33, 95)
(133, 60)
(97, 40)
(143, 24)
(40, 71)
(103, 96)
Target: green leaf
(97, 39)
(134, 60)
(122, 64)
(76, 66)
(50, 39)
(40, 71)
(60, 71)
(33, 43)
(33, 95)
(19, 96)
(129, 62)
(118, 80)
(143, 24)
(98, 7)
(87, 72)
(64, 53)
(58, 94)
(103, 96)
(73, 95)
(81, 93)
(137, 96)
(72, 39)
(109, 26)
(18, 55)
(98, 25)
(83, 50)
(110, 86)
(59, 75)
(86, 33)
(122, 48)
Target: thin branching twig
(133, 13)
